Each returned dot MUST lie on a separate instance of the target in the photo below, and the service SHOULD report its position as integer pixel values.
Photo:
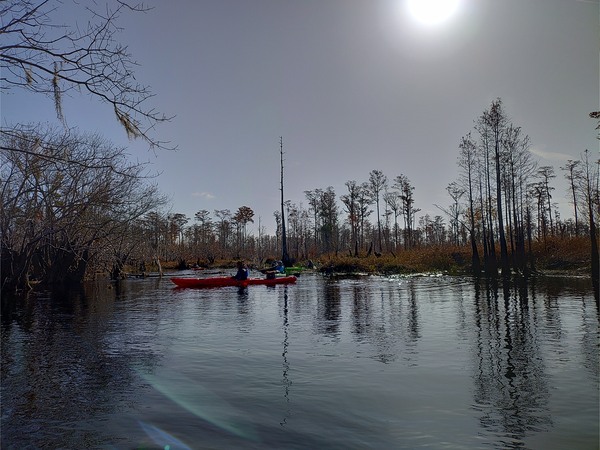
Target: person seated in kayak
(242, 272)
(279, 267)
(276, 268)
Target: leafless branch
(42, 55)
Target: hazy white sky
(350, 85)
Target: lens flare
(162, 438)
(202, 402)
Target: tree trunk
(594, 254)
(475, 264)
(285, 259)
(160, 271)
(503, 246)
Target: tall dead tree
(284, 252)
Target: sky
(351, 86)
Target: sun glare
(431, 12)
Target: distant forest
(73, 205)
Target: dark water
(369, 362)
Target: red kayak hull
(190, 282)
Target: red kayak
(228, 281)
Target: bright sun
(432, 11)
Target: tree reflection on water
(373, 357)
(514, 327)
(511, 386)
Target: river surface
(328, 363)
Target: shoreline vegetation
(564, 257)
(64, 223)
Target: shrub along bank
(567, 256)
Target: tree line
(502, 202)
(508, 200)
(71, 204)
(74, 204)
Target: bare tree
(486, 202)
(156, 226)
(393, 200)
(56, 217)
(573, 173)
(590, 188)
(406, 189)
(364, 202)
(177, 222)
(537, 191)
(377, 184)
(467, 161)
(243, 215)
(545, 174)
(223, 226)
(42, 54)
(313, 198)
(329, 219)
(350, 201)
(205, 229)
(518, 167)
(494, 122)
(285, 258)
(456, 192)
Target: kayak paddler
(242, 272)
